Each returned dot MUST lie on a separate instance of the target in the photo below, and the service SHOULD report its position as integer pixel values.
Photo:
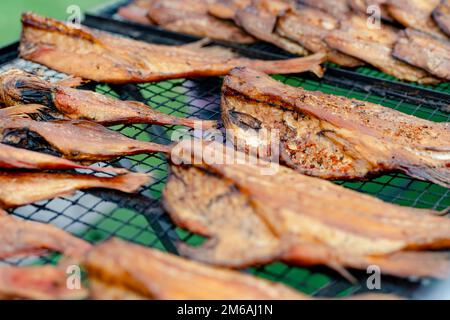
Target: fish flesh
(17, 158)
(368, 7)
(19, 87)
(309, 27)
(20, 238)
(231, 202)
(77, 140)
(425, 51)
(333, 137)
(416, 14)
(442, 16)
(374, 45)
(339, 9)
(185, 16)
(111, 59)
(37, 283)
(21, 188)
(260, 20)
(156, 275)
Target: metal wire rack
(97, 215)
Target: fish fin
(130, 182)
(440, 176)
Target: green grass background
(10, 11)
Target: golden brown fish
(107, 58)
(37, 282)
(442, 16)
(19, 87)
(20, 238)
(16, 158)
(73, 139)
(260, 20)
(21, 188)
(309, 27)
(297, 219)
(415, 14)
(339, 9)
(334, 137)
(226, 9)
(374, 45)
(423, 50)
(151, 274)
(185, 16)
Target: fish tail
(440, 175)
(128, 183)
(311, 63)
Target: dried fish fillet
(186, 16)
(73, 139)
(16, 158)
(157, 275)
(111, 59)
(425, 51)
(415, 14)
(334, 137)
(21, 188)
(359, 231)
(39, 283)
(442, 16)
(19, 87)
(19, 238)
(374, 45)
(309, 27)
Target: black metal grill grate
(97, 215)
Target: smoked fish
(334, 137)
(185, 16)
(374, 46)
(21, 188)
(19, 87)
(297, 219)
(77, 140)
(423, 50)
(111, 59)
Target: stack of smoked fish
(408, 39)
(51, 131)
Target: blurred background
(10, 11)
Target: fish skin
(424, 51)
(21, 188)
(19, 87)
(37, 283)
(76, 140)
(360, 230)
(339, 9)
(111, 59)
(309, 26)
(375, 47)
(442, 16)
(186, 16)
(416, 14)
(335, 137)
(20, 238)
